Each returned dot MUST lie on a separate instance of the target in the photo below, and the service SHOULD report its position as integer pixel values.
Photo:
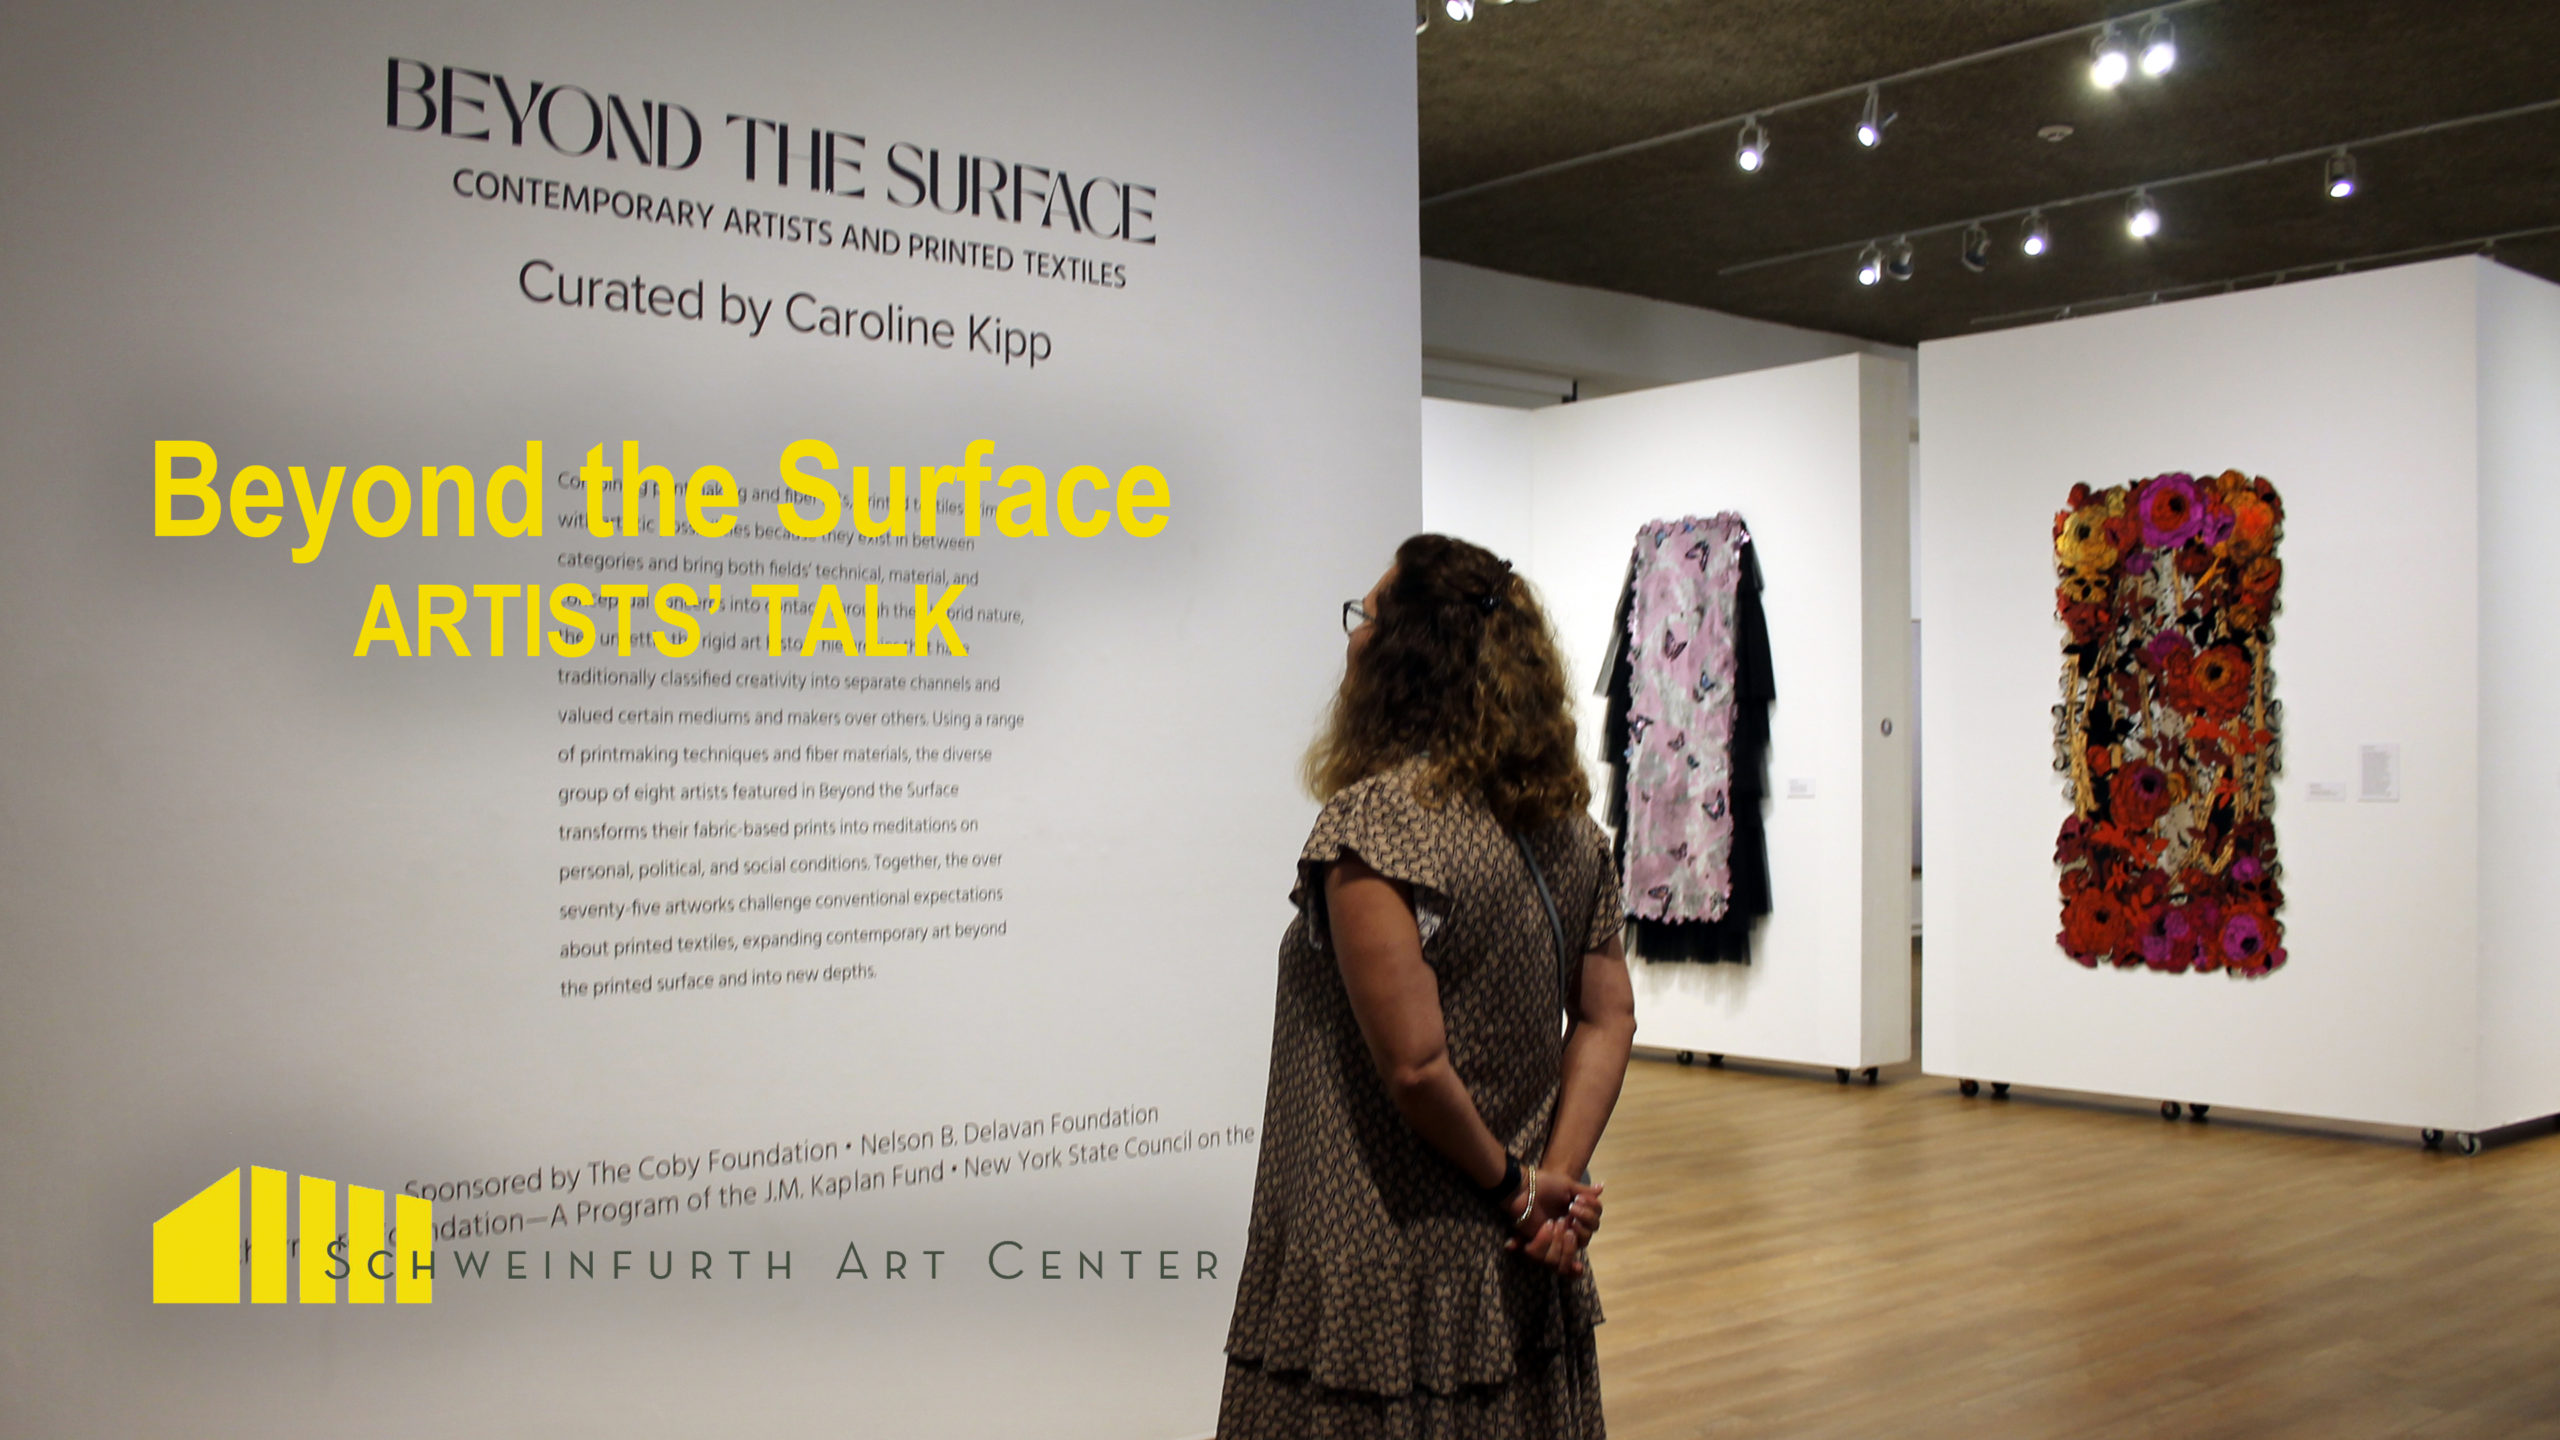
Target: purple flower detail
(2167, 648)
(2246, 869)
(2160, 943)
(2243, 936)
(2170, 510)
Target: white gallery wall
(845, 974)
(1503, 339)
(2519, 377)
(1814, 457)
(1478, 474)
(2405, 416)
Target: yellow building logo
(200, 1250)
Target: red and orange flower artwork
(2167, 730)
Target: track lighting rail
(1843, 92)
(2320, 152)
(2135, 299)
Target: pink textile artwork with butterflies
(2167, 734)
(1680, 718)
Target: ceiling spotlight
(1977, 248)
(1871, 123)
(1898, 263)
(2342, 175)
(2159, 47)
(2141, 217)
(2109, 59)
(2033, 237)
(1751, 145)
(1870, 264)
(1461, 9)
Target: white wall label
(2327, 790)
(1799, 787)
(2378, 772)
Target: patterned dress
(1375, 1297)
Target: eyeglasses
(1353, 616)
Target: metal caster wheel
(2195, 1112)
(1842, 1073)
(1968, 1088)
(2431, 1139)
(2466, 1142)
(2168, 1109)
(1715, 1062)
(1687, 1057)
(1871, 1074)
(1999, 1089)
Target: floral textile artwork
(1680, 643)
(2167, 734)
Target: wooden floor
(1783, 1257)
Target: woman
(1414, 1261)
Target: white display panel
(268, 903)
(1813, 457)
(2520, 595)
(2370, 401)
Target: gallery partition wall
(2404, 418)
(1813, 459)
(681, 635)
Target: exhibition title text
(573, 121)
(818, 499)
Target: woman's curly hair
(1461, 669)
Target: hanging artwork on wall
(2168, 731)
(1689, 687)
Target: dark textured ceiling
(1526, 85)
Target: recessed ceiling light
(2053, 134)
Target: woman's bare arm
(1595, 1059)
(1396, 999)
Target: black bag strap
(1555, 924)
(1555, 928)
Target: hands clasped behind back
(1560, 1224)
(1395, 997)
